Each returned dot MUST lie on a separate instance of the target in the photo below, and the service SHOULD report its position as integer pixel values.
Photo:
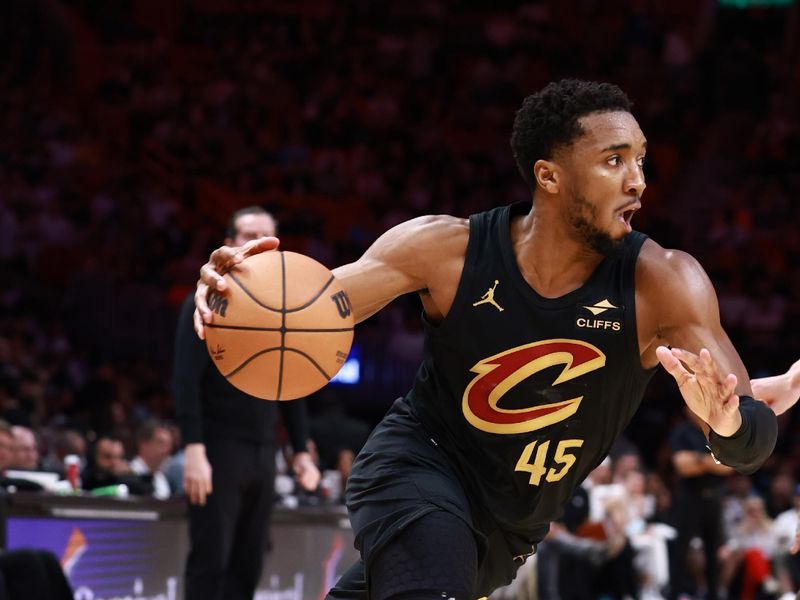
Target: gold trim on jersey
(506, 375)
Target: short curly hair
(549, 118)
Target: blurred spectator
(65, 442)
(26, 448)
(107, 466)
(6, 447)
(648, 539)
(697, 508)
(116, 170)
(745, 557)
(780, 494)
(786, 559)
(153, 444)
(337, 436)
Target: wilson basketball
(282, 329)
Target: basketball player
(544, 322)
(229, 470)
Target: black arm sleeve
(189, 364)
(747, 449)
(295, 417)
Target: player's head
(250, 223)
(577, 141)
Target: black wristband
(748, 448)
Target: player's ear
(547, 176)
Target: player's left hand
(707, 393)
(212, 277)
(306, 471)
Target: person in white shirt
(153, 446)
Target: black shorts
(399, 477)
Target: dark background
(130, 129)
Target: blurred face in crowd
(252, 227)
(635, 482)
(26, 450)
(602, 473)
(110, 455)
(6, 450)
(624, 464)
(601, 173)
(156, 450)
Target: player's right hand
(196, 474)
(211, 275)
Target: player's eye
(641, 161)
(615, 160)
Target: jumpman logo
(488, 298)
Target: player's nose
(634, 182)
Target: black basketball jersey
(526, 394)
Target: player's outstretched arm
(780, 392)
(423, 254)
(678, 314)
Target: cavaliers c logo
(501, 372)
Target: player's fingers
(672, 365)
(259, 245)
(729, 385)
(201, 303)
(689, 359)
(709, 365)
(211, 277)
(225, 257)
(199, 326)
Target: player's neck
(551, 260)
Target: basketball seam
(311, 360)
(283, 309)
(288, 330)
(283, 324)
(314, 299)
(252, 297)
(249, 360)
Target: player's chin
(621, 227)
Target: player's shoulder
(440, 225)
(660, 268)
(434, 231)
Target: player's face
(604, 180)
(252, 227)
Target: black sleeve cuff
(295, 418)
(748, 448)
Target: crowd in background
(136, 127)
